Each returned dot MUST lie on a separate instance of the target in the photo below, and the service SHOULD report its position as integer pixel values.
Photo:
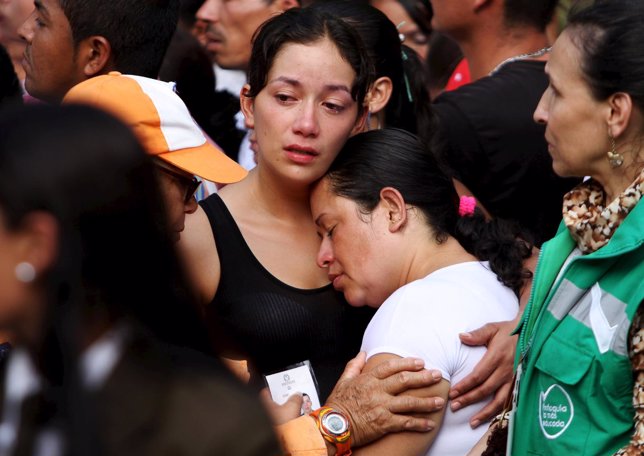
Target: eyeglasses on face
(189, 184)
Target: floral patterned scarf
(589, 221)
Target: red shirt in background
(459, 77)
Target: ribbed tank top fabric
(256, 316)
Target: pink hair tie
(466, 206)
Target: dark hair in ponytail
(501, 242)
(396, 158)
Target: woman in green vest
(580, 358)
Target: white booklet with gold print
(298, 378)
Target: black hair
(115, 260)
(396, 158)
(138, 31)
(609, 35)
(10, 92)
(304, 26)
(409, 106)
(533, 13)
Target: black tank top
(273, 324)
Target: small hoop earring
(25, 272)
(614, 158)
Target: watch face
(336, 424)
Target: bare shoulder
(199, 255)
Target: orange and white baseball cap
(160, 120)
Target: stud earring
(614, 158)
(25, 272)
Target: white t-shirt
(424, 318)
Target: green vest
(575, 393)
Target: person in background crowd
(69, 42)
(412, 19)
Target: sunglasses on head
(190, 184)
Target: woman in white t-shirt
(396, 236)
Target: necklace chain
(516, 58)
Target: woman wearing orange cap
(167, 131)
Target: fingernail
(430, 425)
(475, 424)
(419, 363)
(453, 394)
(439, 401)
(456, 406)
(466, 334)
(436, 375)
